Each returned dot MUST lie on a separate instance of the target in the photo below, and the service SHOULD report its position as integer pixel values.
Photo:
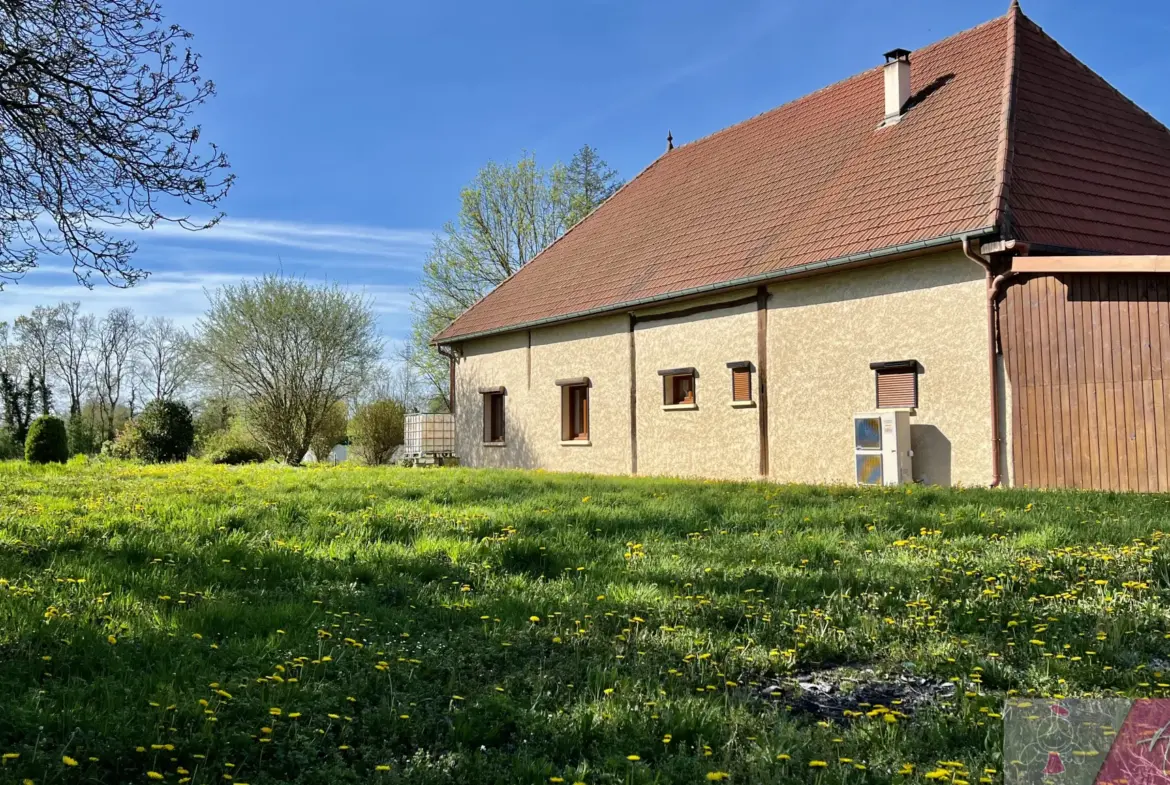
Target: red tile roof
(1006, 134)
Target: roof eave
(881, 254)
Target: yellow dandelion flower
(717, 776)
(10, 756)
(68, 761)
(275, 712)
(382, 767)
(817, 764)
(154, 775)
(783, 756)
(111, 639)
(634, 757)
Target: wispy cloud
(380, 262)
(343, 239)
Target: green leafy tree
(290, 350)
(332, 431)
(590, 181)
(508, 214)
(83, 437)
(167, 431)
(10, 449)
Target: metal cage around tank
(429, 436)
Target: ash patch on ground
(843, 694)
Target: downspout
(449, 353)
(992, 371)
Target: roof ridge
(1000, 213)
(801, 99)
(542, 251)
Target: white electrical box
(881, 447)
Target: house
(969, 233)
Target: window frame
(672, 380)
(493, 397)
(575, 403)
(745, 367)
(894, 367)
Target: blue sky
(352, 125)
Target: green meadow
(205, 624)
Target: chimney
(897, 79)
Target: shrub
(9, 448)
(234, 447)
(166, 431)
(47, 441)
(127, 445)
(376, 429)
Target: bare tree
(75, 334)
(37, 335)
(114, 343)
(163, 364)
(292, 350)
(96, 105)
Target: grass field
(256, 625)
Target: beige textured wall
(824, 331)
(597, 348)
(715, 439)
(495, 361)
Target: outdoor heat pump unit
(881, 447)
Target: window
(678, 387)
(897, 384)
(493, 414)
(574, 410)
(741, 382)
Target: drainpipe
(449, 353)
(992, 372)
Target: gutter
(760, 278)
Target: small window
(896, 384)
(678, 386)
(575, 416)
(493, 415)
(741, 382)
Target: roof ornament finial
(1015, 6)
(669, 142)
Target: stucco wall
(714, 439)
(492, 362)
(824, 331)
(597, 349)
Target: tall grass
(265, 624)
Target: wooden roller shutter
(897, 384)
(741, 384)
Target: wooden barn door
(1087, 357)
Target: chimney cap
(897, 54)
